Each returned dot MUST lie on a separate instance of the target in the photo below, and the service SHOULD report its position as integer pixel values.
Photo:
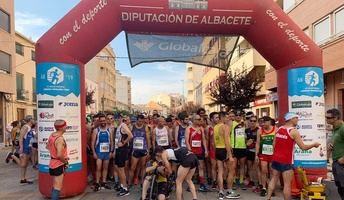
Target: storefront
(265, 106)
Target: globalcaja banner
(58, 95)
(207, 51)
(306, 98)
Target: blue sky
(35, 17)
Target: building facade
(123, 92)
(102, 71)
(25, 99)
(323, 21)
(7, 63)
(194, 74)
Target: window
(288, 4)
(33, 55)
(20, 86)
(34, 95)
(339, 24)
(5, 62)
(5, 21)
(19, 49)
(322, 30)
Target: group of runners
(224, 150)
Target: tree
(89, 97)
(237, 90)
(189, 107)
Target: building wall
(7, 46)
(102, 70)
(123, 90)
(25, 101)
(162, 99)
(194, 75)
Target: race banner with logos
(306, 98)
(58, 94)
(206, 51)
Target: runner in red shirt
(282, 160)
(196, 142)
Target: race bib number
(138, 143)
(183, 143)
(196, 143)
(104, 147)
(240, 132)
(267, 149)
(163, 141)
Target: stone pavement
(10, 189)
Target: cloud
(30, 24)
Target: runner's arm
(187, 140)
(170, 137)
(297, 137)
(93, 141)
(225, 133)
(167, 164)
(129, 133)
(258, 142)
(148, 138)
(204, 140)
(176, 130)
(153, 138)
(23, 131)
(112, 149)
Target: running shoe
(203, 188)
(221, 196)
(117, 187)
(105, 186)
(123, 193)
(232, 195)
(8, 157)
(96, 187)
(26, 182)
(263, 192)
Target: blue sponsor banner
(307, 81)
(310, 163)
(58, 79)
(186, 49)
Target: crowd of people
(222, 151)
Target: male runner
(121, 156)
(282, 160)
(102, 148)
(26, 135)
(196, 143)
(141, 146)
(223, 151)
(214, 116)
(251, 133)
(264, 151)
(238, 145)
(160, 135)
(59, 157)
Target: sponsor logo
(281, 136)
(321, 126)
(301, 104)
(72, 128)
(68, 104)
(48, 129)
(72, 139)
(55, 75)
(46, 104)
(312, 78)
(188, 4)
(320, 104)
(306, 126)
(46, 115)
(144, 45)
(304, 114)
(73, 151)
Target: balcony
(22, 95)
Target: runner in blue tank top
(102, 148)
(180, 130)
(141, 147)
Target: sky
(34, 17)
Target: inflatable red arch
(92, 24)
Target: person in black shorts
(251, 134)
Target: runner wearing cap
(26, 134)
(264, 151)
(282, 159)
(196, 143)
(59, 157)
